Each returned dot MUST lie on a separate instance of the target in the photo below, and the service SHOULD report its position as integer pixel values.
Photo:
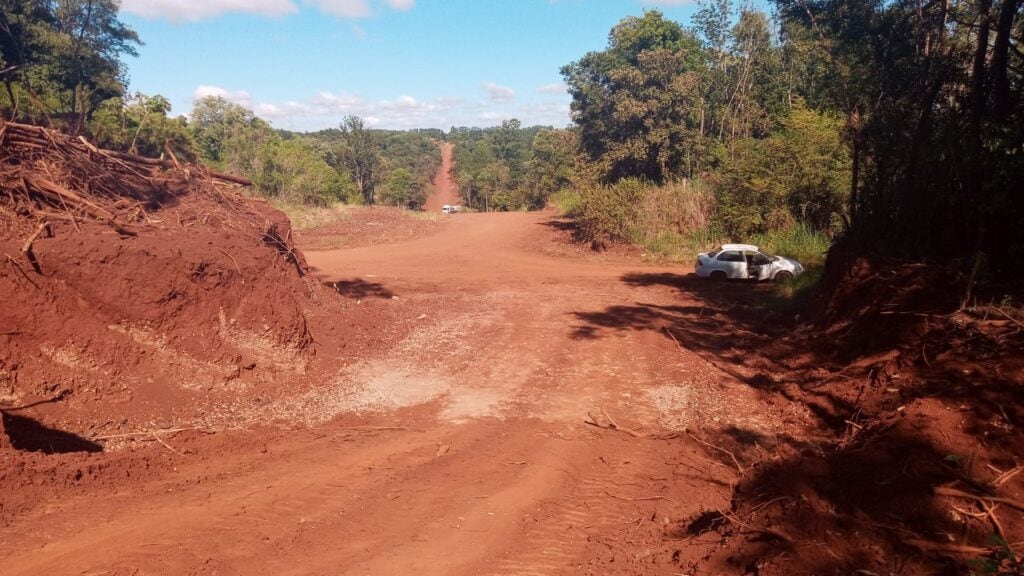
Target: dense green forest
(510, 167)
(894, 126)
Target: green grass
(793, 295)
(799, 242)
(674, 247)
(567, 201)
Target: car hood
(784, 263)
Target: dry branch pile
(141, 287)
(46, 175)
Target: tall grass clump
(799, 241)
(567, 201)
(664, 219)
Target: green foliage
(568, 201)
(418, 154)
(793, 295)
(398, 190)
(140, 125)
(636, 211)
(799, 241)
(934, 105)
(550, 167)
(509, 167)
(416, 151)
(231, 138)
(799, 173)
(229, 135)
(634, 103)
(1001, 562)
(61, 59)
(610, 212)
(295, 173)
(361, 155)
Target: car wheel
(719, 275)
(783, 276)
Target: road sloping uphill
(525, 411)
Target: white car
(745, 261)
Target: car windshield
(713, 254)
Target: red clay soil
(370, 226)
(473, 401)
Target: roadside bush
(661, 218)
(799, 241)
(568, 202)
(680, 207)
(610, 213)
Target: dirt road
(445, 190)
(462, 449)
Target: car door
(733, 263)
(761, 266)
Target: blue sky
(399, 64)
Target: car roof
(747, 247)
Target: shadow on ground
(359, 289)
(29, 435)
(905, 397)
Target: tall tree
(635, 104)
(361, 155)
(63, 57)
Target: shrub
(798, 241)
(567, 201)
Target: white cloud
(556, 88)
(344, 8)
(354, 9)
(359, 32)
(240, 97)
(497, 91)
(326, 109)
(182, 10)
(401, 5)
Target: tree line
(510, 167)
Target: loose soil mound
(137, 290)
(916, 468)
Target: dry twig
(736, 462)
(947, 491)
(166, 445)
(767, 531)
(640, 498)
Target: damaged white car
(745, 261)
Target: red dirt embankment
(138, 292)
(910, 466)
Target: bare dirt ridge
(486, 399)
